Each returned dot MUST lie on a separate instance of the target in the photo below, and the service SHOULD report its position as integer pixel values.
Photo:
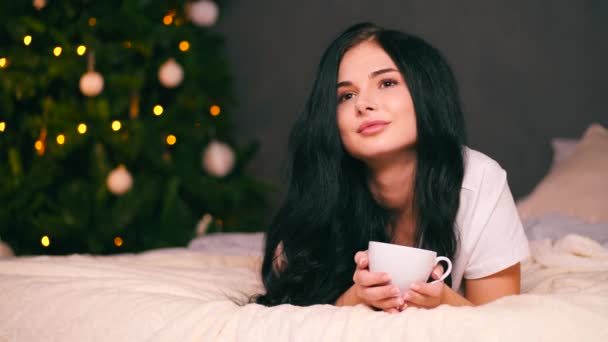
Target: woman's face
(375, 112)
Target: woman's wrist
(348, 298)
(453, 298)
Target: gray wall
(527, 70)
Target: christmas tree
(115, 128)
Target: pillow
(230, 243)
(555, 227)
(562, 149)
(577, 186)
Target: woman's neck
(391, 181)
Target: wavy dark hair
(329, 212)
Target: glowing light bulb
(27, 40)
(184, 45)
(82, 128)
(158, 110)
(61, 139)
(3, 61)
(57, 51)
(92, 21)
(167, 20)
(45, 241)
(81, 50)
(38, 145)
(2, 126)
(171, 139)
(116, 125)
(214, 110)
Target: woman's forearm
(348, 298)
(453, 298)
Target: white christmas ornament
(5, 250)
(203, 13)
(218, 159)
(119, 181)
(170, 74)
(91, 83)
(39, 4)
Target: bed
(200, 292)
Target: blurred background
(186, 107)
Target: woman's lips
(372, 127)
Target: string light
(27, 40)
(81, 50)
(127, 44)
(38, 145)
(45, 241)
(214, 110)
(184, 46)
(158, 110)
(167, 20)
(3, 61)
(61, 139)
(116, 125)
(2, 126)
(118, 241)
(92, 21)
(171, 139)
(82, 128)
(57, 51)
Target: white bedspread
(183, 295)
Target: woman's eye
(345, 97)
(388, 83)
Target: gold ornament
(39, 4)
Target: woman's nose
(365, 104)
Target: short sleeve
(501, 241)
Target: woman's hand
(425, 295)
(373, 288)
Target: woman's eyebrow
(372, 75)
(381, 71)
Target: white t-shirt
(490, 234)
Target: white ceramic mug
(405, 265)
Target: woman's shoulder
(480, 169)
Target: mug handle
(447, 272)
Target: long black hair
(330, 213)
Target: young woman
(378, 154)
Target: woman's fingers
(415, 299)
(428, 289)
(366, 278)
(374, 287)
(437, 272)
(393, 302)
(361, 259)
(380, 293)
(424, 295)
